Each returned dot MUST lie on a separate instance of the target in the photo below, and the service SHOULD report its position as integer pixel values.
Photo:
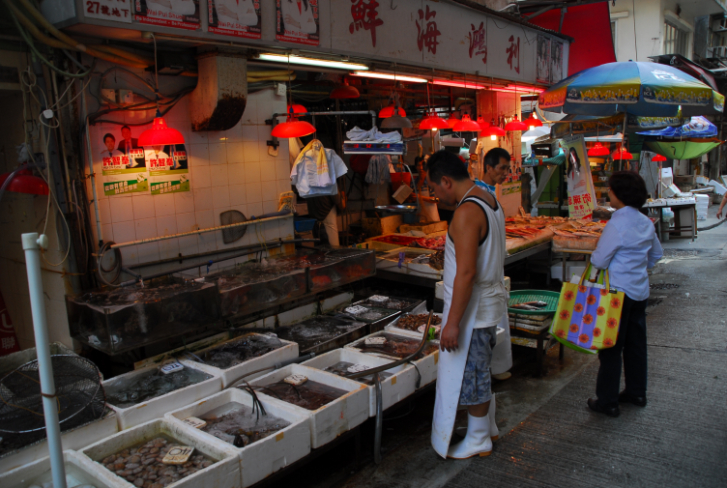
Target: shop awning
(590, 28)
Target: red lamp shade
(296, 109)
(24, 182)
(345, 91)
(433, 122)
(532, 121)
(482, 123)
(622, 153)
(466, 125)
(387, 112)
(515, 125)
(494, 131)
(160, 135)
(658, 158)
(452, 120)
(293, 128)
(598, 150)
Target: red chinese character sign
(183, 14)
(581, 194)
(297, 21)
(365, 16)
(239, 18)
(115, 10)
(513, 53)
(8, 339)
(478, 42)
(427, 32)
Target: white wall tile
(107, 232)
(166, 225)
(207, 242)
(168, 248)
(146, 228)
(252, 172)
(124, 231)
(195, 137)
(237, 195)
(270, 207)
(121, 209)
(200, 176)
(143, 207)
(104, 211)
(251, 149)
(283, 186)
(249, 116)
(235, 152)
(255, 209)
(240, 208)
(198, 155)
(184, 201)
(219, 175)
(269, 190)
(164, 204)
(202, 199)
(220, 198)
(282, 169)
(205, 219)
(268, 171)
(148, 252)
(236, 173)
(254, 193)
(218, 153)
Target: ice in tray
(120, 319)
(394, 345)
(238, 351)
(366, 313)
(345, 368)
(390, 303)
(311, 395)
(319, 330)
(126, 392)
(239, 425)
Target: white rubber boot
(477, 441)
(494, 432)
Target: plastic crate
(304, 225)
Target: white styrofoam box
(702, 180)
(224, 473)
(719, 189)
(411, 333)
(264, 457)
(390, 262)
(79, 471)
(400, 385)
(571, 268)
(426, 366)
(234, 373)
(76, 438)
(156, 407)
(332, 419)
(439, 290)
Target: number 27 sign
(116, 10)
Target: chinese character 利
(513, 54)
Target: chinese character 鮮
(365, 16)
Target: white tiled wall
(229, 170)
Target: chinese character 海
(428, 33)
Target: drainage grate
(663, 286)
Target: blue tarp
(697, 127)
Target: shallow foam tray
(76, 438)
(412, 333)
(390, 262)
(426, 366)
(332, 419)
(156, 407)
(225, 473)
(234, 373)
(400, 385)
(79, 470)
(264, 457)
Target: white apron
(450, 369)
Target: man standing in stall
(475, 300)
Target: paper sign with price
(116, 10)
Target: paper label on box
(357, 368)
(195, 422)
(171, 368)
(356, 310)
(296, 379)
(375, 341)
(178, 455)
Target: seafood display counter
(322, 333)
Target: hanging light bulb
(598, 150)
(482, 123)
(387, 112)
(515, 125)
(466, 125)
(532, 121)
(494, 131)
(25, 182)
(295, 109)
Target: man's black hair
(493, 156)
(125, 127)
(109, 134)
(444, 163)
(629, 187)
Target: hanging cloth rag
(373, 135)
(378, 171)
(316, 169)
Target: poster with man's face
(120, 152)
(542, 67)
(239, 18)
(182, 14)
(297, 21)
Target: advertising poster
(182, 14)
(175, 185)
(556, 62)
(166, 160)
(542, 68)
(581, 194)
(138, 184)
(239, 18)
(297, 21)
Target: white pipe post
(32, 245)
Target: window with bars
(675, 40)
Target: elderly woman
(627, 248)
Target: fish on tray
(535, 305)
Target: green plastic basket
(522, 296)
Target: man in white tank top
(475, 300)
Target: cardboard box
(376, 226)
(426, 227)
